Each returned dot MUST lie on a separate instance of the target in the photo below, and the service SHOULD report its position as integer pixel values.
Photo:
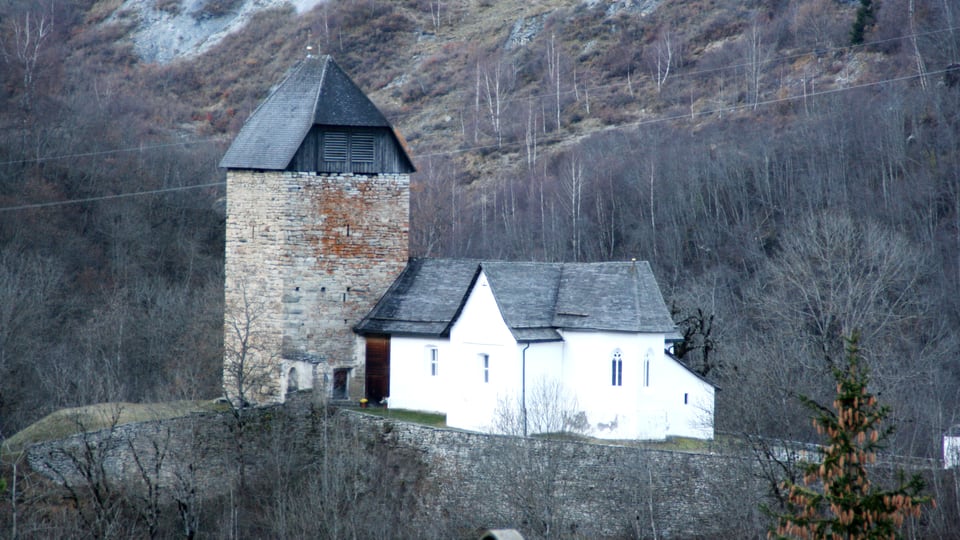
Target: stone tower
(318, 193)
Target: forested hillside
(789, 168)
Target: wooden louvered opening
(335, 146)
(362, 148)
(345, 149)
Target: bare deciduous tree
(546, 408)
(27, 37)
(660, 57)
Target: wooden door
(378, 368)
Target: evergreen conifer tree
(863, 20)
(838, 499)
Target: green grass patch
(404, 415)
(67, 422)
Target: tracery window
(616, 368)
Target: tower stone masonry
(318, 208)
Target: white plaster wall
(632, 410)
(546, 398)
(411, 384)
(581, 365)
(480, 330)
(612, 411)
(695, 417)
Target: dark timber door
(378, 368)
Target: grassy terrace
(67, 422)
(404, 415)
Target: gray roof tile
(316, 91)
(424, 299)
(536, 299)
(617, 296)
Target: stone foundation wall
(477, 480)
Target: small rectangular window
(434, 355)
(485, 359)
(686, 398)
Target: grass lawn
(404, 415)
(67, 422)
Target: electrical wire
(110, 197)
(556, 139)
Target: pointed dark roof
(535, 299)
(315, 91)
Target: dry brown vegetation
(721, 140)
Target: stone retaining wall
(481, 481)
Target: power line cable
(729, 67)
(548, 140)
(111, 151)
(519, 99)
(708, 112)
(109, 197)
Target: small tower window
(292, 380)
(616, 368)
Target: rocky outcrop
(167, 30)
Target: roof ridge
(635, 274)
(316, 94)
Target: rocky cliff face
(164, 31)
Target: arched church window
(292, 382)
(616, 368)
(646, 367)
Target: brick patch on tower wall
(314, 253)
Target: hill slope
(749, 150)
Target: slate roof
(315, 91)
(535, 299)
(424, 300)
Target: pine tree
(864, 19)
(838, 500)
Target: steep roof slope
(535, 299)
(316, 91)
(425, 299)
